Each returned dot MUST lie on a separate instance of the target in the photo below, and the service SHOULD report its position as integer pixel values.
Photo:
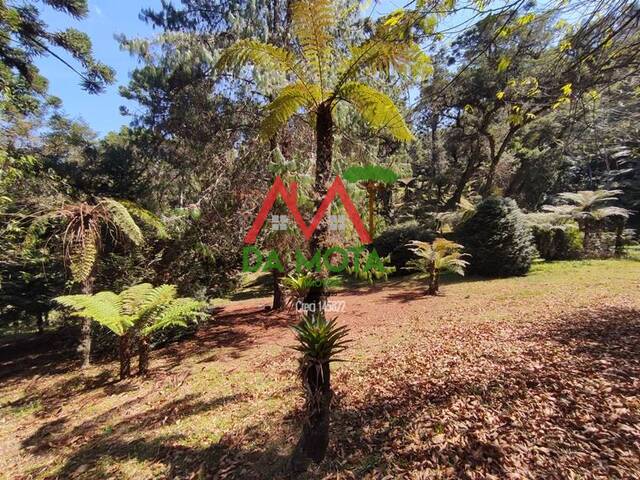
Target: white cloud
(97, 10)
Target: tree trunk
(278, 294)
(313, 443)
(324, 157)
(619, 248)
(143, 356)
(371, 193)
(433, 280)
(40, 320)
(125, 356)
(84, 346)
(586, 246)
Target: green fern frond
(120, 217)
(288, 102)
(312, 22)
(103, 308)
(253, 52)
(387, 55)
(134, 297)
(154, 303)
(176, 313)
(146, 217)
(376, 108)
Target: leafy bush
(557, 242)
(498, 239)
(393, 243)
(555, 237)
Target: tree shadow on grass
(51, 353)
(131, 438)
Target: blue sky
(106, 18)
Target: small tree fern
(83, 227)
(436, 257)
(138, 311)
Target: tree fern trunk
(619, 247)
(314, 441)
(125, 356)
(371, 193)
(84, 346)
(143, 356)
(433, 280)
(278, 295)
(40, 320)
(324, 158)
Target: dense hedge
(393, 242)
(498, 239)
(557, 242)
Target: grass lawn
(531, 377)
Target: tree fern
(175, 313)
(104, 308)
(146, 217)
(248, 51)
(83, 253)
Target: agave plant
(589, 208)
(138, 311)
(320, 341)
(436, 257)
(83, 227)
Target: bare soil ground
(532, 377)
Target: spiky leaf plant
(433, 258)
(320, 341)
(138, 311)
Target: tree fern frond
(155, 301)
(376, 108)
(247, 51)
(120, 217)
(146, 217)
(312, 21)
(177, 313)
(134, 297)
(290, 99)
(103, 308)
(387, 55)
